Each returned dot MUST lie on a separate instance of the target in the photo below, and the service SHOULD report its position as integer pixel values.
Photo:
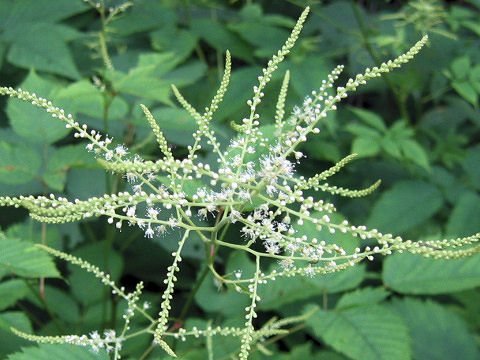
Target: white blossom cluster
(253, 185)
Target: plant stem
(146, 352)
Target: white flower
(152, 213)
(149, 232)
(121, 150)
(109, 155)
(131, 211)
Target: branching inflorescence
(254, 184)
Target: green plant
(254, 192)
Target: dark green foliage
(417, 130)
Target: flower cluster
(254, 183)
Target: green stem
(147, 352)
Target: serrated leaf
(390, 146)
(285, 291)
(18, 12)
(466, 90)
(11, 291)
(42, 47)
(414, 274)
(144, 80)
(61, 161)
(218, 36)
(363, 131)
(371, 332)
(33, 123)
(18, 164)
(304, 76)
(10, 342)
(414, 152)
(144, 15)
(174, 119)
(461, 67)
(404, 206)
(24, 259)
(213, 298)
(233, 103)
(365, 147)
(369, 118)
(186, 75)
(437, 334)
(60, 303)
(171, 40)
(472, 25)
(364, 296)
(463, 220)
(84, 98)
(85, 287)
(266, 39)
(474, 77)
(59, 352)
(471, 166)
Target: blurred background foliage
(416, 129)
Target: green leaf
(85, 287)
(186, 75)
(11, 291)
(59, 352)
(389, 144)
(461, 67)
(10, 342)
(61, 161)
(265, 38)
(171, 40)
(17, 12)
(78, 188)
(363, 131)
(61, 303)
(414, 274)
(24, 259)
(145, 79)
(18, 164)
(414, 152)
(406, 205)
(471, 166)
(369, 118)
(371, 332)
(174, 119)
(84, 98)
(144, 15)
(466, 90)
(42, 47)
(213, 298)
(234, 101)
(33, 123)
(437, 334)
(323, 150)
(472, 25)
(463, 220)
(220, 38)
(365, 147)
(305, 74)
(360, 297)
(285, 291)
(474, 78)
